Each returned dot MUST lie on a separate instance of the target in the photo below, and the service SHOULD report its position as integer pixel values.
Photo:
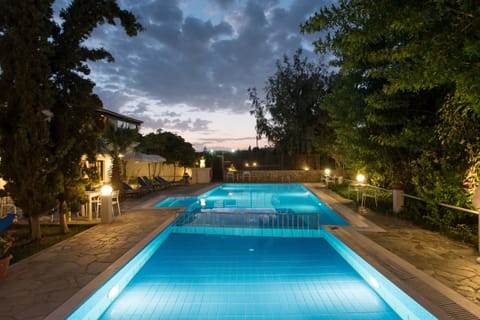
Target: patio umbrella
(138, 156)
(146, 158)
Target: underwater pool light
(373, 282)
(113, 292)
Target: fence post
(398, 197)
(476, 205)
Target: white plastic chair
(96, 203)
(231, 176)
(369, 193)
(115, 202)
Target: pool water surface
(270, 198)
(198, 276)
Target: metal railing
(445, 205)
(246, 219)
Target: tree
(117, 141)
(291, 116)
(414, 45)
(49, 118)
(169, 145)
(28, 163)
(409, 58)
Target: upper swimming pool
(258, 198)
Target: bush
(454, 224)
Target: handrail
(444, 205)
(246, 219)
(421, 199)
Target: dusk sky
(189, 71)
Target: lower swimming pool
(198, 276)
(184, 275)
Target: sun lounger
(6, 221)
(171, 183)
(155, 184)
(161, 181)
(144, 184)
(130, 191)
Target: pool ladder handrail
(248, 219)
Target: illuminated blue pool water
(184, 275)
(197, 276)
(272, 198)
(192, 271)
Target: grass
(23, 247)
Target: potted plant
(6, 241)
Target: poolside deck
(39, 285)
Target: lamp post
(360, 180)
(327, 175)
(107, 209)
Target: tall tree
(414, 45)
(410, 57)
(290, 115)
(28, 162)
(59, 120)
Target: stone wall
(275, 176)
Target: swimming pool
(268, 198)
(191, 272)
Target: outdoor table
(87, 209)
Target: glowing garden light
(107, 208)
(360, 178)
(106, 190)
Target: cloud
(223, 5)
(196, 56)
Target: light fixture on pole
(360, 181)
(107, 208)
(327, 175)
(360, 178)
